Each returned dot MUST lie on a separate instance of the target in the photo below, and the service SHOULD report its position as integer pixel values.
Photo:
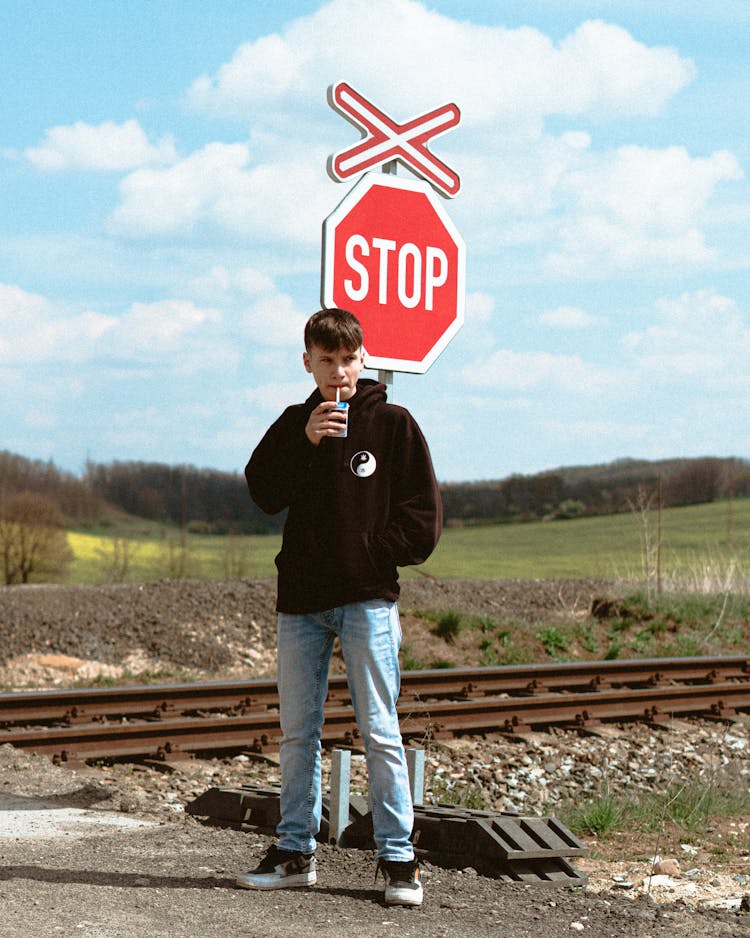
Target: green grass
(554, 640)
(601, 815)
(694, 550)
(162, 555)
(688, 806)
(668, 625)
(447, 623)
(692, 539)
(442, 791)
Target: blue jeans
(370, 636)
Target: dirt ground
(163, 873)
(109, 851)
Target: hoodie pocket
(357, 556)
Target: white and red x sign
(385, 140)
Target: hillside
(209, 501)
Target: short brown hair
(331, 329)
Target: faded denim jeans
(370, 636)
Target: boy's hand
(324, 421)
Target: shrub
(553, 640)
(448, 626)
(602, 815)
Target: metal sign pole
(423, 275)
(386, 377)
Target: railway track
(169, 720)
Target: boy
(359, 506)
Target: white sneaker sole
(271, 881)
(411, 897)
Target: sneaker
(280, 869)
(403, 884)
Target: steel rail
(259, 731)
(86, 705)
(588, 675)
(147, 701)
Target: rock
(619, 883)
(667, 867)
(59, 662)
(659, 881)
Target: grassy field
(694, 541)
(135, 558)
(705, 545)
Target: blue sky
(163, 184)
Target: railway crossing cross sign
(393, 257)
(386, 140)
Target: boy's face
(338, 369)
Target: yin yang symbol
(363, 464)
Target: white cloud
(137, 429)
(17, 306)
(141, 429)
(167, 200)
(567, 317)
(698, 336)
(273, 320)
(479, 306)
(275, 396)
(171, 337)
(107, 146)
(576, 139)
(637, 207)
(222, 282)
(280, 199)
(216, 185)
(604, 68)
(696, 341)
(601, 430)
(579, 212)
(152, 331)
(490, 71)
(266, 316)
(506, 81)
(267, 68)
(525, 371)
(33, 331)
(651, 189)
(174, 335)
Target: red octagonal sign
(393, 257)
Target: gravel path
(174, 877)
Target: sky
(163, 187)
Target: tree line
(209, 501)
(38, 502)
(595, 490)
(199, 500)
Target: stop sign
(393, 257)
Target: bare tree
(117, 558)
(699, 481)
(235, 557)
(178, 556)
(650, 543)
(33, 541)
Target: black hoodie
(359, 506)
